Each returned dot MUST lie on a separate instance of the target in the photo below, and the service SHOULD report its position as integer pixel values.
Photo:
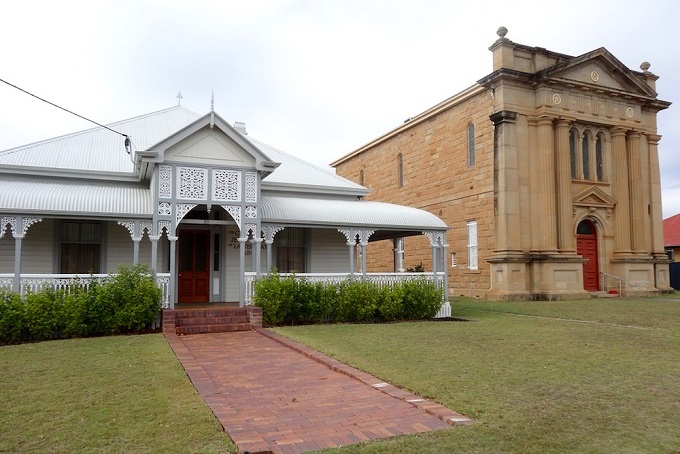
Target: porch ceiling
(347, 213)
(66, 197)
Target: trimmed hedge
(125, 303)
(292, 301)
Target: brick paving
(274, 395)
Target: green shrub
(391, 302)
(295, 301)
(422, 299)
(268, 296)
(135, 297)
(12, 311)
(358, 301)
(44, 315)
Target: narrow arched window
(471, 144)
(598, 158)
(400, 170)
(361, 177)
(572, 152)
(585, 150)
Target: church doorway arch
(586, 246)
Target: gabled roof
(98, 149)
(629, 81)
(155, 153)
(294, 174)
(671, 231)
(98, 153)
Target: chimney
(240, 127)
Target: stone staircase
(211, 320)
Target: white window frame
(473, 257)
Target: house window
(290, 246)
(400, 169)
(472, 245)
(585, 151)
(399, 255)
(80, 248)
(598, 158)
(572, 153)
(454, 262)
(361, 177)
(471, 144)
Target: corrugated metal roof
(98, 149)
(296, 172)
(302, 210)
(671, 231)
(72, 197)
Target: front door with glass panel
(194, 266)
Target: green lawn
(592, 376)
(123, 394)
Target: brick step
(188, 321)
(218, 312)
(215, 328)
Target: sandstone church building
(546, 171)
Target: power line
(127, 138)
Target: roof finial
(212, 100)
(179, 97)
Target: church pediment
(597, 70)
(594, 197)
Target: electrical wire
(127, 138)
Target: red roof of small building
(671, 231)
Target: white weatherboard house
(207, 207)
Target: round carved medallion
(629, 112)
(595, 76)
(557, 98)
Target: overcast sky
(318, 78)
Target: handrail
(603, 277)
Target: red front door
(194, 266)
(586, 246)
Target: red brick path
(272, 394)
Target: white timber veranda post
(269, 243)
(445, 252)
(17, 263)
(351, 258)
(363, 245)
(154, 251)
(242, 270)
(135, 253)
(19, 227)
(257, 253)
(173, 272)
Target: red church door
(194, 266)
(586, 246)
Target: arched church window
(585, 228)
(598, 158)
(400, 169)
(471, 144)
(585, 149)
(572, 152)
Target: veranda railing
(37, 282)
